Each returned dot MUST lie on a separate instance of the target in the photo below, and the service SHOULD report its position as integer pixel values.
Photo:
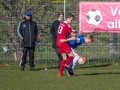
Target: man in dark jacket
(28, 32)
(53, 32)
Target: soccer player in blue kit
(74, 44)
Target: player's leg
(64, 56)
(76, 57)
(70, 58)
(66, 65)
(65, 51)
(73, 63)
(59, 56)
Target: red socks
(67, 62)
(61, 66)
(69, 59)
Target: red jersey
(63, 29)
(62, 32)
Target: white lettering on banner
(113, 24)
(109, 16)
(114, 11)
(116, 23)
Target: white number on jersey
(60, 29)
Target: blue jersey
(74, 43)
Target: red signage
(99, 17)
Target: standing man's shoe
(32, 69)
(22, 68)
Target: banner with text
(99, 17)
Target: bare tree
(13, 12)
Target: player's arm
(68, 39)
(77, 32)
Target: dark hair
(70, 15)
(60, 13)
(76, 32)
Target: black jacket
(53, 31)
(28, 32)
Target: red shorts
(63, 47)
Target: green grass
(93, 76)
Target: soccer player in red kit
(63, 47)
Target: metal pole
(64, 10)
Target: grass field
(97, 76)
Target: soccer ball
(82, 60)
(94, 17)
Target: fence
(44, 13)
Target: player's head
(89, 38)
(28, 14)
(60, 16)
(69, 18)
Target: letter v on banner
(99, 17)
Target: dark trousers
(59, 56)
(30, 50)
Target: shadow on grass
(47, 68)
(93, 74)
(103, 65)
(102, 73)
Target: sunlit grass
(92, 76)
